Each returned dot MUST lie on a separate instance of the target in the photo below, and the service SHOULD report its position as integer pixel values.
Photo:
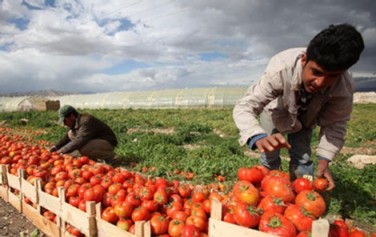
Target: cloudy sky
(125, 45)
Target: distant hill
(365, 84)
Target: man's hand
(323, 171)
(52, 149)
(272, 142)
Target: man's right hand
(52, 149)
(272, 142)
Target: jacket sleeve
(84, 134)
(333, 123)
(64, 140)
(247, 109)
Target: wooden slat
(3, 177)
(49, 202)
(320, 228)
(219, 228)
(4, 192)
(29, 190)
(14, 200)
(13, 181)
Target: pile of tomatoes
(260, 199)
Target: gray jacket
(87, 127)
(276, 94)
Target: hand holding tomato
(323, 171)
(320, 184)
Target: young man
(87, 134)
(302, 88)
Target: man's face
(70, 121)
(315, 78)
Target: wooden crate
(14, 189)
(219, 228)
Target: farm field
(200, 146)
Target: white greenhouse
(177, 98)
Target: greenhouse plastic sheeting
(179, 98)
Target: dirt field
(14, 224)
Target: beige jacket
(276, 94)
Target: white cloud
(77, 45)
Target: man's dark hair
(337, 47)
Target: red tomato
(185, 190)
(109, 215)
(320, 184)
(297, 215)
(151, 205)
(134, 199)
(74, 201)
(272, 204)
(94, 179)
(246, 215)
(123, 209)
(198, 196)
(301, 184)
(118, 178)
(159, 224)
(246, 192)
(355, 232)
(190, 231)
(124, 223)
(114, 188)
(72, 190)
(179, 215)
(304, 234)
(278, 187)
(49, 215)
(99, 192)
(338, 229)
(74, 231)
(140, 214)
(277, 224)
(83, 188)
(312, 202)
(197, 221)
(160, 196)
(145, 193)
(253, 174)
(175, 228)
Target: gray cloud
(72, 46)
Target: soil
(14, 224)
